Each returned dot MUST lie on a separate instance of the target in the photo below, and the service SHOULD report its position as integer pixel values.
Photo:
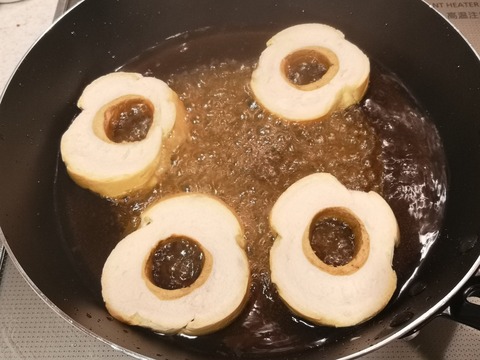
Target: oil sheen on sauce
(247, 157)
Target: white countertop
(21, 23)
(34, 331)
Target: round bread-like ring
(106, 167)
(215, 298)
(344, 83)
(327, 295)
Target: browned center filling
(332, 240)
(306, 66)
(175, 263)
(128, 120)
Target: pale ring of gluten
(113, 169)
(336, 296)
(342, 85)
(212, 301)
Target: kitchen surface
(30, 329)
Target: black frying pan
(97, 37)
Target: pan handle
(464, 307)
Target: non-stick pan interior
(98, 37)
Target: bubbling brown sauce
(247, 157)
(128, 120)
(175, 263)
(305, 67)
(333, 241)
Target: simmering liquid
(175, 263)
(333, 241)
(128, 120)
(247, 157)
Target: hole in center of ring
(128, 119)
(175, 263)
(335, 237)
(310, 68)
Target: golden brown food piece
(212, 300)
(326, 294)
(308, 71)
(114, 146)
